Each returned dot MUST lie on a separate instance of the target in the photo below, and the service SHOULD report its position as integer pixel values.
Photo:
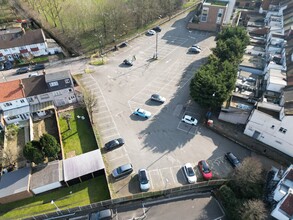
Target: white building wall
(272, 131)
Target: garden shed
(83, 167)
(15, 185)
(46, 177)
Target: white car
(189, 120)
(189, 173)
(142, 113)
(150, 32)
(144, 181)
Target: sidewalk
(235, 134)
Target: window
(44, 96)
(22, 101)
(7, 104)
(57, 93)
(52, 84)
(67, 81)
(12, 117)
(219, 16)
(30, 99)
(204, 14)
(283, 130)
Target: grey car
(104, 214)
(122, 171)
(158, 98)
(232, 159)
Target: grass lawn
(90, 191)
(80, 138)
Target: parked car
(189, 173)
(194, 50)
(22, 70)
(102, 215)
(37, 67)
(189, 120)
(8, 65)
(232, 159)
(143, 178)
(114, 144)
(205, 170)
(142, 113)
(123, 44)
(196, 46)
(158, 98)
(150, 32)
(157, 29)
(33, 74)
(122, 171)
(128, 62)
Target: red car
(205, 170)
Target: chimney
(21, 85)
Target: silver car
(158, 98)
(143, 178)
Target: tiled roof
(11, 90)
(287, 205)
(35, 86)
(29, 38)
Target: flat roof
(83, 164)
(256, 62)
(46, 174)
(15, 182)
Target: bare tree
(67, 117)
(248, 178)
(90, 101)
(253, 210)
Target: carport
(83, 167)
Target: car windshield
(190, 171)
(143, 178)
(205, 168)
(119, 170)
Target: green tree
(49, 145)
(230, 32)
(32, 152)
(253, 210)
(230, 202)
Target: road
(191, 207)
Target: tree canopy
(213, 82)
(36, 151)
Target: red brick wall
(15, 197)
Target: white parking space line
(110, 137)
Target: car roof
(104, 213)
(126, 166)
(187, 117)
(204, 164)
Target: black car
(37, 67)
(22, 70)
(1, 66)
(114, 143)
(157, 29)
(104, 214)
(8, 65)
(123, 44)
(232, 159)
(128, 62)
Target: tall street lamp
(57, 208)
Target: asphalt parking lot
(162, 144)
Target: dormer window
(283, 130)
(52, 84)
(67, 81)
